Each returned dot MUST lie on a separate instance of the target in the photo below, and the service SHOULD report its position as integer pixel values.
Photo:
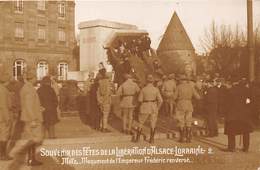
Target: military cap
(172, 76)
(150, 78)
(183, 77)
(127, 76)
(164, 77)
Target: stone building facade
(38, 36)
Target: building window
(19, 31)
(41, 5)
(18, 6)
(41, 32)
(62, 71)
(42, 69)
(61, 34)
(61, 9)
(18, 68)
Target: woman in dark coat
(49, 102)
(238, 120)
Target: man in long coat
(32, 117)
(211, 107)
(238, 120)
(49, 102)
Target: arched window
(62, 71)
(42, 69)
(18, 68)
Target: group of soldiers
(175, 97)
(147, 101)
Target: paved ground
(215, 159)
(73, 135)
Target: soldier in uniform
(87, 87)
(5, 118)
(127, 92)
(184, 93)
(151, 101)
(104, 98)
(168, 92)
(32, 117)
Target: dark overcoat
(238, 119)
(49, 102)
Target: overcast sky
(154, 16)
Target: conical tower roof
(175, 37)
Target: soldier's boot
(188, 134)
(231, 143)
(139, 131)
(5, 155)
(31, 157)
(152, 135)
(182, 133)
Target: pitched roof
(175, 37)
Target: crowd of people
(123, 50)
(28, 110)
(234, 99)
(181, 97)
(135, 46)
(178, 96)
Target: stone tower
(175, 50)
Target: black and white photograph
(130, 84)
